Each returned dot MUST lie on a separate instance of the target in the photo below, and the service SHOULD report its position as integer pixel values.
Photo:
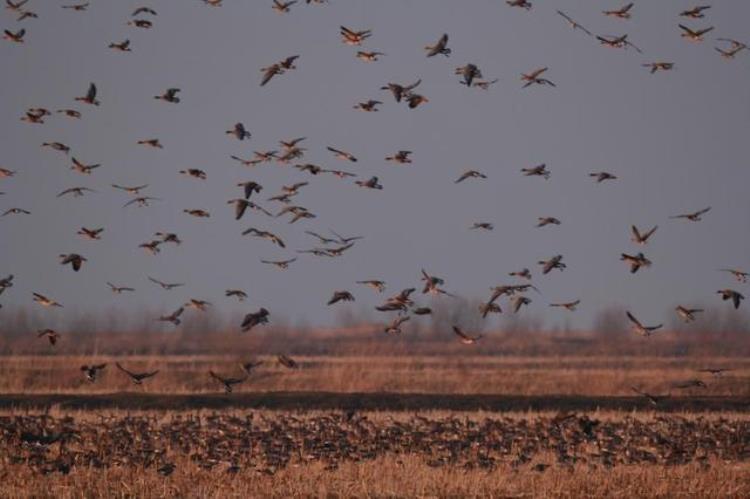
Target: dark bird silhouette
(137, 378)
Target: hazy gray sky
(678, 141)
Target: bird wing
(633, 319)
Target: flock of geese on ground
(292, 151)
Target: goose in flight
(151, 246)
(368, 106)
(340, 173)
(238, 293)
(16, 211)
(422, 311)
(227, 382)
(687, 314)
(168, 237)
(248, 367)
(123, 46)
(544, 221)
(141, 23)
(740, 275)
(118, 289)
(400, 301)
(84, 169)
(441, 47)
(6, 282)
(371, 183)
(151, 143)
(76, 191)
(489, 308)
(695, 216)
(621, 13)
(322, 239)
(539, 171)
(352, 37)
(16, 37)
(282, 264)
(602, 176)
(401, 157)
(50, 334)
(574, 24)
(239, 132)
(414, 100)
(401, 91)
(299, 212)
(730, 294)
(658, 66)
(36, 115)
(287, 361)
(74, 259)
(635, 261)
(470, 174)
(639, 328)
(342, 155)
(524, 4)
(166, 286)
(258, 157)
(197, 213)
(254, 319)
(641, 238)
(15, 7)
(519, 301)
(90, 97)
(241, 205)
(44, 301)
(5, 173)
(137, 378)
(143, 10)
(464, 338)
(92, 371)
(169, 96)
(695, 12)
(265, 235)
(140, 201)
(571, 305)
(199, 305)
(523, 274)
(482, 225)
(395, 326)
(534, 78)
(174, 317)
(378, 286)
(553, 263)
(369, 56)
(338, 296)
(618, 42)
(93, 234)
(693, 35)
(78, 7)
(195, 173)
(485, 84)
(716, 371)
(735, 48)
(282, 8)
(468, 73)
(250, 187)
(293, 189)
(135, 190)
(70, 113)
(57, 146)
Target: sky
(676, 140)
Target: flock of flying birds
(292, 151)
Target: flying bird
(639, 328)
(340, 296)
(227, 382)
(137, 378)
(169, 96)
(254, 319)
(621, 13)
(693, 35)
(90, 97)
(573, 23)
(695, 216)
(641, 238)
(465, 338)
(730, 294)
(441, 47)
(687, 314)
(74, 259)
(635, 261)
(174, 317)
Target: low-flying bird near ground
(441, 47)
(635, 261)
(730, 294)
(639, 328)
(174, 317)
(574, 24)
(44, 301)
(199, 305)
(687, 314)
(653, 399)
(254, 319)
(338, 296)
(287, 361)
(715, 371)
(465, 338)
(228, 382)
(621, 13)
(570, 305)
(395, 326)
(518, 301)
(92, 371)
(695, 216)
(137, 378)
(51, 335)
(693, 35)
